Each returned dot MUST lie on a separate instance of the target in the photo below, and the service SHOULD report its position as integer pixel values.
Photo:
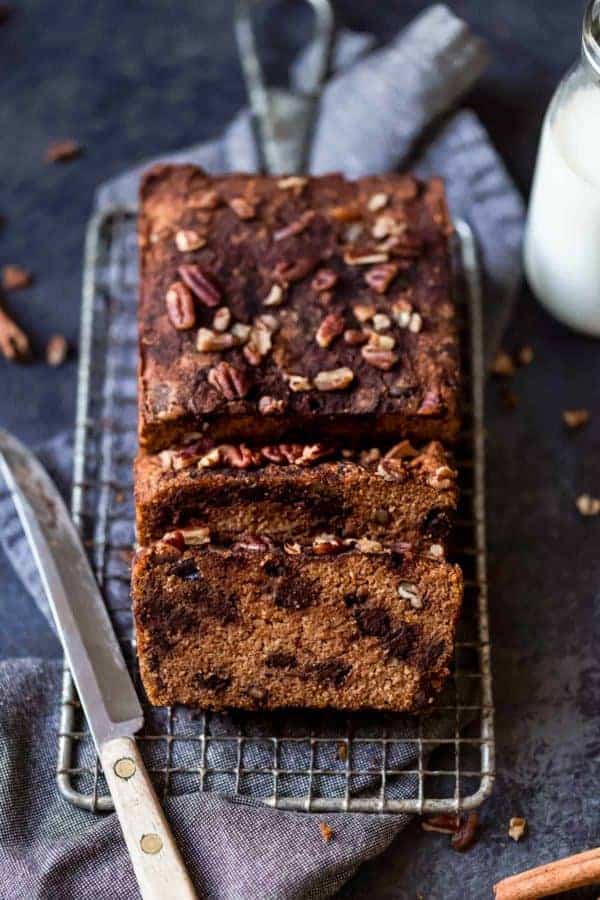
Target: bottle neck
(590, 39)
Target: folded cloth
(374, 116)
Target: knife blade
(105, 687)
(103, 682)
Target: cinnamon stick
(577, 871)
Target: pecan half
(380, 277)
(331, 326)
(379, 359)
(466, 835)
(352, 258)
(296, 227)
(187, 239)
(381, 341)
(334, 379)
(259, 342)
(180, 307)
(324, 544)
(445, 823)
(201, 283)
(324, 280)
(231, 382)
(242, 208)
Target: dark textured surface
(168, 76)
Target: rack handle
(158, 867)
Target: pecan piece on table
(62, 151)
(14, 343)
(56, 350)
(15, 278)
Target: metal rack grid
(295, 760)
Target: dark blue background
(133, 78)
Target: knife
(104, 685)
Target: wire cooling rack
(298, 760)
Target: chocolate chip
(213, 681)
(373, 622)
(280, 660)
(186, 570)
(274, 569)
(401, 643)
(352, 599)
(331, 671)
(292, 593)
(436, 524)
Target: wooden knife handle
(158, 867)
(577, 871)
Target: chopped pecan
(379, 359)
(443, 478)
(195, 535)
(386, 226)
(296, 227)
(331, 326)
(259, 342)
(201, 283)
(587, 505)
(466, 835)
(408, 591)
(363, 311)
(56, 350)
(180, 306)
(204, 199)
(239, 456)
(254, 542)
(381, 322)
(324, 544)
(299, 383)
(240, 332)
(324, 280)
(15, 278)
(431, 404)
(402, 450)
(353, 258)
(231, 382)
(63, 151)
(445, 823)
(287, 271)
(366, 545)
(348, 213)
(208, 341)
(355, 338)
(381, 341)
(187, 239)
(292, 182)
(380, 277)
(517, 828)
(211, 459)
(576, 418)
(14, 343)
(503, 365)
(377, 202)
(415, 323)
(327, 832)
(402, 312)
(274, 297)
(270, 406)
(292, 548)
(242, 207)
(221, 319)
(334, 379)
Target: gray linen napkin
(237, 848)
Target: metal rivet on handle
(151, 843)
(124, 767)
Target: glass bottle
(562, 237)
